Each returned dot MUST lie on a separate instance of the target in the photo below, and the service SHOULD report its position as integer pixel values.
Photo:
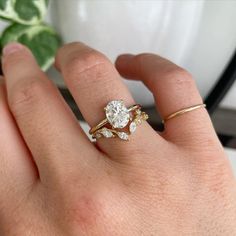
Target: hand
(54, 181)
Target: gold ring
(105, 121)
(120, 121)
(183, 111)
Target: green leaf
(28, 12)
(3, 4)
(41, 39)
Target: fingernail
(124, 59)
(126, 56)
(11, 47)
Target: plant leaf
(3, 4)
(41, 39)
(28, 12)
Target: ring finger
(93, 82)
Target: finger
(173, 89)
(17, 169)
(93, 82)
(48, 126)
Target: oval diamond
(117, 114)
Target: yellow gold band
(183, 111)
(136, 120)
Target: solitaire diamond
(117, 114)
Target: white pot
(197, 35)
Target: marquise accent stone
(106, 133)
(132, 127)
(138, 121)
(98, 135)
(123, 135)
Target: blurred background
(198, 35)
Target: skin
(54, 181)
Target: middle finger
(48, 127)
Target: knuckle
(12, 60)
(83, 212)
(178, 72)
(136, 150)
(88, 66)
(218, 180)
(179, 76)
(79, 204)
(143, 56)
(26, 95)
(214, 170)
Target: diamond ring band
(120, 121)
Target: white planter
(199, 35)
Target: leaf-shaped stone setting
(132, 127)
(106, 133)
(123, 135)
(98, 135)
(118, 117)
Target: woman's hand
(54, 181)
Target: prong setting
(118, 116)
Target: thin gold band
(105, 121)
(183, 111)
